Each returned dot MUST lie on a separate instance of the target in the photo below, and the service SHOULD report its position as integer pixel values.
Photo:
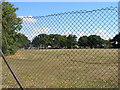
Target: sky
(63, 0)
(66, 24)
(45, 8)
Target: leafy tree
(53, 40)
(57, 41)
(83, 42)
(63, 42)
(71, 41)
(95, 41)
(10, 24)
(116, 41)
(41, 40)
(106, 44)
(23, 41)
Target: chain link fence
(77, 49)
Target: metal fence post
(17, 80)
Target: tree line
(12, 40)
(70, 41)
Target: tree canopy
(92, 41)
(116, 41)
(70, 41)
(55, 41)
(83, 42)
(11, 24)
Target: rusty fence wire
(77, 49)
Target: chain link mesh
(55, 60)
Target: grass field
(63, 68)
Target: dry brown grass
(63, 68)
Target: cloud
(28, 19)
(31, 36)
(78, 35)
(103, 34)
(35, 32)
(66, 33)
(81, 34)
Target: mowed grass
(63, 68)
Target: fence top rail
(74, 12)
